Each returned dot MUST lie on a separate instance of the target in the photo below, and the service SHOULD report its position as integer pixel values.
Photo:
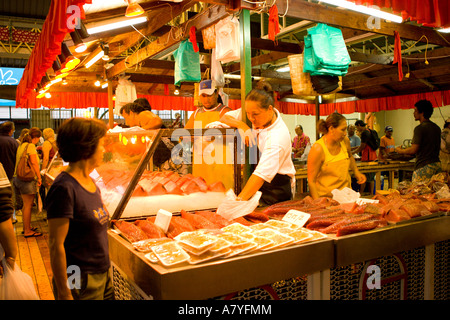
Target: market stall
(365, 167)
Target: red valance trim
(81, 100)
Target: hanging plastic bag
(216, 70)
(227, 40)
(209, 37)
(16, 284)
(230, 208)
(187, 63)
(125, 93)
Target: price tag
(363, 201)
(296, 217)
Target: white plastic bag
(216, 70)
(125, 93)
(230, 208)
(227, 40)
(346, 195)
(16, 284)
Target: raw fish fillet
(172, 188)
(216, 187)
(152, 188)
(215, 218)
(359, 227)
(326, 221)
(396, 215)
(201, 183)
(348, 207)
(131, 231)
(197, 221)
(243, 221)
(189, 187)
(333, 228)
(178, 225)
(151, 230)
(431, 206)
(257, 217)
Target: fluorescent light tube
(365, 10)
(283, 69)
(95, 58)
(115, 25)
(446, 30)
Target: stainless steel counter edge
(391, 239)
(222, 276)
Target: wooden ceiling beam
(156, 20)
(169, 39)
(392, 78)
(353, 20)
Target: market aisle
(34, 257)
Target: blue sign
(10, 76)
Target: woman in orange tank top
(330, 159)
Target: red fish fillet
(396, 215)
(339, 224)
(178, 225)
(216, 187)
(358, 227)
(243, 221)
(326, 221)
(189, 187)
(257, 217)
(215, 218)
(150, 229)
(131, 231)
(152, 188)
(172, 188)
(197, 221)
(201, 183)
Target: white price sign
(296, 217)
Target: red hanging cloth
(398, 55)
(193, 38)
(274, 24)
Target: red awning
(431, 13)
(47, 47)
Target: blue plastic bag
(187, 63)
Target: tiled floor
(34, 257)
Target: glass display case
(147, 170)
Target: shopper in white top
(274, 174)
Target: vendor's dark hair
(6, 127)
(78, 138)
(425, 107)
(143, 102)
(34, 132)
(132, 107)
(333, 120)
(263, 94)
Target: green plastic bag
(325, 51)
(187, 63)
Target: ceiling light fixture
(95, 28)
(134, 9)
(67, 60)
(445, 30)
(94, 56)
(64, 82)
(80, 46)
(105, 48)
(104, 85)
(365, 10)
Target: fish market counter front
(135, 277)
(406, 261)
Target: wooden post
(246, 79)
(110, 105)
